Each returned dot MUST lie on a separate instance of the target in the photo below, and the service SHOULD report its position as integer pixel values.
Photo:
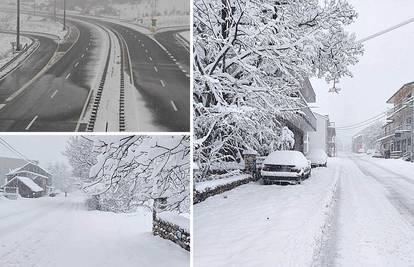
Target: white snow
(211, 184)
(356, 212)
(181, 221)
(30, 23)
(49, 232)
(287, 157)
(29, 183)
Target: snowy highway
(357, 212)
(60, 94)
(49, 232)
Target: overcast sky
(388, 63)
(46, 149)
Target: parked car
(377, 154)
(318, 158)
(285, 166)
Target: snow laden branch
(134, 170)
(252, 57)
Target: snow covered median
(257, 225)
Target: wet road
(161, 75)
(55, 100)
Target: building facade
(397, 132)
(29, 181)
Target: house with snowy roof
(28, 180)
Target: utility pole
(64, 14)
(54, 11)
(18, 27)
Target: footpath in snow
(50, 232)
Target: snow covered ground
(185, 35)
(357, 212)
(6, 51)
(61, 232)
(31, 23)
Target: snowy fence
(173, 227)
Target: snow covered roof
(28, 182)
(250, 152)
(16, 170)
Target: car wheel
(299, 180)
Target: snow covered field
(6, 52)
(353, 213)
(61, 232)
(31, 23)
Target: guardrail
(34, 44)
(97, 100)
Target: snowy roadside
(257, 225)
(31, 228)
(185, 35)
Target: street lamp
(18, 27)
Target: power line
(12, 149)
(363, 123)
(386, 30)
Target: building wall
(317, 139)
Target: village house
(28, 180)
(397, 131)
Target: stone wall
(201, 196)
(171, 232)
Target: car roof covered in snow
(286, 157)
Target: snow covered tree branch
(134, 170)
(251, 57)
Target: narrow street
(357, 212)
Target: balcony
(399, 107)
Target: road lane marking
(2, 106)
(77, 64)
(150, 58)
(31, 123)
(83, 55)
(174, 106)
(155, 68)
(146, 51)
(187, 75)
(54, 93)
(87, 48)
(162, 83)
(142, 45)
(67, 76)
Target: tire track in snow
(396, 196)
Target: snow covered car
(377, 154)
(317, 157)
(285, 166)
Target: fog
(383, 69)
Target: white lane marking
(31, 123)
(83, 55)
(142, 45)
(184, 71)
(162, 83)
(54, 93)
(187, 75)
(173, 59)
(150, 58)
(87, 49)
(67, 76)
(77, 64)
(155, 68)
(181, 67)
(174, 106)
(146, 50)
(2, 106)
